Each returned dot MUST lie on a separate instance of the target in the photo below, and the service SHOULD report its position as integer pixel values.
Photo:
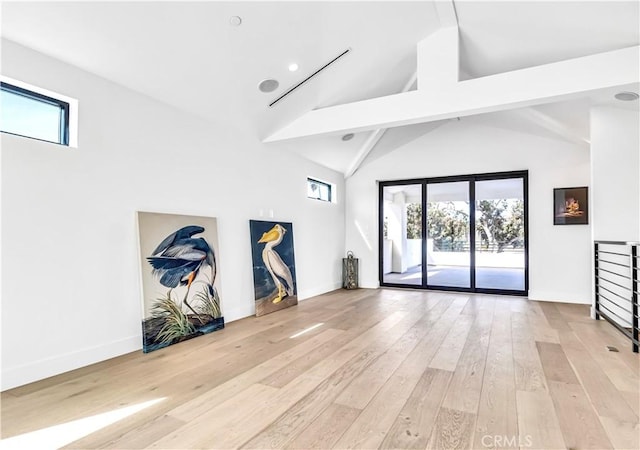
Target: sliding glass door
(402, 234)
(448, 249)
(500, 239)
(466, 233)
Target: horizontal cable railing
(464, 246)
(616, 286)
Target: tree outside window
(499, 224)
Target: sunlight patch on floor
(60, 435)
(306, 330)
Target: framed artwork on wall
(180, 282)
(274, 266)
(571, 206)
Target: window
(319, 190)
(465, 233)
(30, 114)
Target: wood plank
(497, 414)
(326, 429)
(334, 373)
(554, 317)
(622, 434)
(529, 375)
(453, 430)
(478, 303)
(580, 425)
(304, 362)
(369, 429)
(466, 385)
(519, 305)
(619, 365)
(194, 408)
(575, 312)
(603, 395)
(449, 352)
(293, 422)
(414, 425)
(363, 389)
(633, 400)
(614, 337)
(201, 378)
(140, 437)
(538, 424)
(555, 363)
(542, 330)
(204, 430)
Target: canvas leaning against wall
(180, 282)
(274, 266)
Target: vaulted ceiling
(189, 55)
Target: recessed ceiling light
(268, 85)
(293, 67)
(236, 21)
(627, 96)
(347, 137)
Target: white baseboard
(18, 376)
(558, 297)
(542, 296)
(369, 284)
(308, 293)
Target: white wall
(70, 289)
(615, 161)
(414, 252)
(559, 256)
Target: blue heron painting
(180, 286)
(273, 266)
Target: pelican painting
(273, 266)
(181, 298)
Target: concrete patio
(505, 278)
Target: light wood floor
(385, 369)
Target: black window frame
(63, 128)
(322, 183)
(472, 179)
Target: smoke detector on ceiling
(235, 21)
(626, 96)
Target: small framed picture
(571, 206)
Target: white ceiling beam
(373, 139)
(438, 53)
(364, 151)
(437, 66)
(446, 11)
(564, 80)
(555, 126)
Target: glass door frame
(472, 179)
